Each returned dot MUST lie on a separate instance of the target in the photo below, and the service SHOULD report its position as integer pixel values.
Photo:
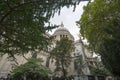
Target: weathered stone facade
(6, 65)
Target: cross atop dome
(61, 24)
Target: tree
(98, 68)
(22, 23)
(31, 70)
(100, 25)
(62, 54)
(110, 55)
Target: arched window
(75, 65)
(34, 55)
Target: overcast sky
(69, 18)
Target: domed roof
(63, 31)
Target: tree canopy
(98, 68)
(62, 54)
(100, 25)
(32, 70)
(22, 23)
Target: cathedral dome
(63, 32)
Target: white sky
(69, 18)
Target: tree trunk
(24, 77)
(63, 69)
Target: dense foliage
(62, 54)
(100, 25)
(22, 23)
(98, 68)
(32, 70)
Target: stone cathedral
(6, 65)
